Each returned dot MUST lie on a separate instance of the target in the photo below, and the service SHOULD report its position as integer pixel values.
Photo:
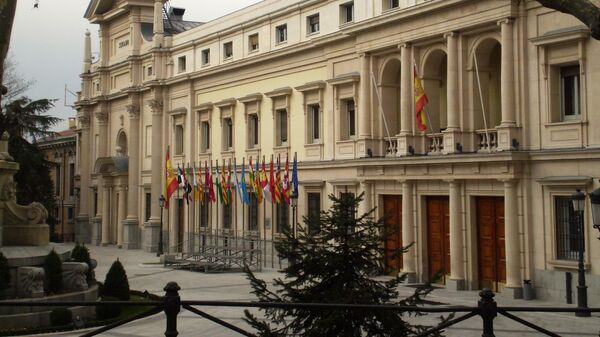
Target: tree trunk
(584, 10)
(7, 15)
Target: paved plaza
(143, 275)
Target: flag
(258, 185)
(195, 186)
(238, 186)
(420, 102)
(187, 187)
(171, 181)
(180, 177)
(286, 190)
(223, 186)
(228, 185)
(295, 176)
(277, 190)
(243, 187)
(266, 186)
(208, 180)
(218, 179)
(251, 176)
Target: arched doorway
(435, 83)
(121, 147)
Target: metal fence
(171, 304)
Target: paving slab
(146, 273)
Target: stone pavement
(233, 286)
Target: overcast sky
(47, 43)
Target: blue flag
(243, 188)
(295, 176)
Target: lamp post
(161, 203)
(294, 203)
(578, 199)
(595, 201)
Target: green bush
(104, 312)
(4, 275)
(116, 283)
(82, 254)
(61, 316)
(53, 273)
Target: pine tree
(116, 283)
(53, 273)
(335, 257)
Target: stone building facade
(483, 193)
(61, 149)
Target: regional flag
(258, 184)
(187, 187)
(286, 182)
(218, 179)
(420, 102)
(224, 193)
(278, 193)
(171, 180)
(295, 175)
(208, 180)
(243, 188)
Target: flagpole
(426, 111)
(487, 136)
(378, 94)
(243, 203)
(217, 228)
(264, 224)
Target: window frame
(205, 57)
(204, 136)
(228, 133)
(253, 48)
(282, 130)
(179, 134)
(181, 64)
(573, 71)
(311, 212)
(281, 34)
(565, 230)
(311, 27)
(347, 14)
(227, 50)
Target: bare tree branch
(584, 10)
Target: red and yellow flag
(171, 183)
(420, 102)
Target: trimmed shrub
(61, 316)
(116, 283)
(4, 275)
(53, 273)
(82, 254)
(104, 312)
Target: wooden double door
(438, 238)
(392, 208)
(491, 244)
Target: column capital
(453, 181)
(133, 110)
(404, 45)
(505, 21)
(156, 106)
(450, 34)
(84, 121)
(508, 181)
(102, 117)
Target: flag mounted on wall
(420, 101)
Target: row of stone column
(457, 229)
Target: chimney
(72, 123)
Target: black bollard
(172, 305)
(488, 311)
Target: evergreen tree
(335, 257)
(53, 273)
(116, 283)
(81, 253)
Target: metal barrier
(171, 305)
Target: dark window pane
(567, 229)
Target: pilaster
(452, 134)
(511, 238)
(131, 222)
(105, 212)
(457, 272)
(507, 130)
(405, 138)
(408, 233)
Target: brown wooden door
(392, 208)
(490, 237)
(438, 237)
(180, 222)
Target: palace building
(483, 193)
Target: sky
(47, 44)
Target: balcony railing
(436, 143)
(487, 140)
(392, 146)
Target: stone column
(366, 205)
(406, 101)
(513, 286)
(457, 271)
(121, 212)
(452, 132)
(365, 99)
(131, 223)
(506, 130)
(105, 212)
(152, 228)
(408, 233)
(158, 38)
(83, 218)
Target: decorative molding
(84, 121)
(133, 110)
(571, 34)
(156, 106)
(102, 117)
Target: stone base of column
(507, 138)
(410, 277)
(405, 146)
(131, 234)
(150, 236)
(512, 292)
(452, 142)
(83, 230)
(455, 285)
(96, 231)
(364, 147)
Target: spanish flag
(171, 183)
(420, 102)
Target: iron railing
(171, 304)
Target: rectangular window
(253, 131)
(281, 33)
(181, 66)
(147, 207)
(570, 92)
(314, 211)
(178, 139)
(253, 213)
(72, 179)
(567, 229)
(149, 71)
(57, 180)
(283, 216)
(282, 127)
(227, 50)
(347, 12)
(394, 3)
(227, 134)
(312, 23)
(351, 118)
(253, 42)
(205, 136)
(314, 121)
(205, 57)
(227, 216)
(204, 213)
(70, 213)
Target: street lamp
(578, 199)
(161, 203)
(294, 203)
(595, 201)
